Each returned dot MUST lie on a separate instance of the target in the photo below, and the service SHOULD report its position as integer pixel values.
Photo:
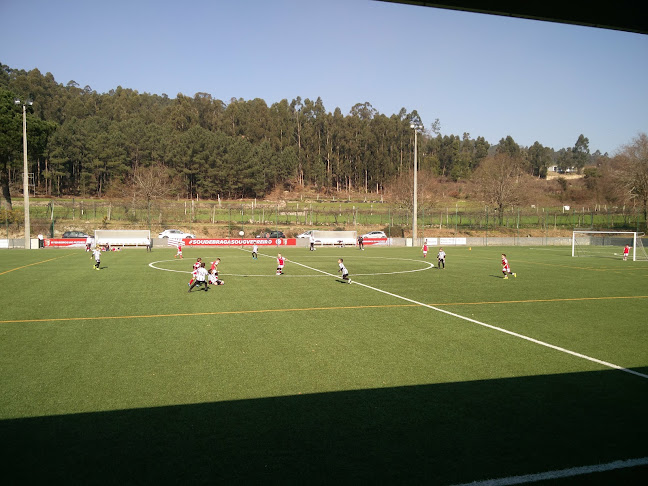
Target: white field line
(489, 326)
(560, 473)
(429, 265)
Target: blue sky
(486, 75)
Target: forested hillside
(82, 142)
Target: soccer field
(411, 374)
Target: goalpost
(608, 244)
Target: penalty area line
(490, 326)
(561, 473)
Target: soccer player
(343, 269)
(213, 278)
(214, 265)
(97, 256)
(280, 264)
(626, 252)
(506, 269)
(179, 254)
(425, 249)
(196, 266)
(255, 252)
(441, 258)
(201, 278)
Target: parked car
(272, 234)
(75, 234)
(375, 234)
(174, 233)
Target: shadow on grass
(432, 434)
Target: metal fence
(51, 216)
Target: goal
(608, 244)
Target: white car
(174, 233)
(375, 234)
(305, 234)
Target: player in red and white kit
(214, 265)
(506, 269)
(425, 250)
(280, 264)
(196, 266)
(179, 254)
(626, 252)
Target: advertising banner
(240, 242)
(375, 241)
(65, 242)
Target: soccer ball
(241, 233)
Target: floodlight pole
(25, 173)
(415, 209)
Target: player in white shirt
(441, 258)
(213, 278)
(343, 269)
(97, 256)
(201, 278)
(255, 252)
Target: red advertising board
(375, 241)
(240, 242)
(65, 242)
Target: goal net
(608, 244)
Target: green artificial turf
(122, 376)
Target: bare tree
(401, 190)
(632, 171)
(148, 184)
(500, 181)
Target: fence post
(486, 225)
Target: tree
(10, 138)
(500, 181)
(508, 146)
(580, 153)
(632, 172)
(148, 184)
(539, 158)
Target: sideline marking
(561, 473)
(31, 264)
(490, 326)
